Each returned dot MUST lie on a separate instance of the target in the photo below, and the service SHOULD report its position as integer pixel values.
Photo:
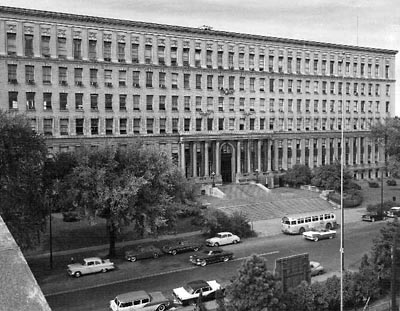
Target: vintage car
(181, 246)
(140, 300)
(319, 235)
(208, 256)
(223, 238)
(191, 291)
(90, 265)
(393, 212)
(373, 216)
(316, 268)
(143, 252)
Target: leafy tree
(254, 288)
(328, 177)
(22, 157)
(298, 175)
(219, 298)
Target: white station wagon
(223, 238)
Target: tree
(298, 175)
(22, 157)
(254, 288)
(328, 177)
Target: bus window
(285, 221)
(300, 220)
(293, 222)
(315, 218)
(308, 219)
(327, 216)
(321, 217)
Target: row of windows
(190, 103)
(123, 126)
(150, 53)
(225, 84)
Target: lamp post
(257, 171)
(49, 202)
(213, 179)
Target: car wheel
(203, 263)
(216, 244)
(77, 274)
(301, 230)
(373, 219)
(133, 259)
(331, 237)
(196, 249)
(104, 270)
(155, 255)
(316, 239)
(161, 308)
(225, 259)
(328, 226)
(173, 252)
(234, 241)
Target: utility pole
(394, 270)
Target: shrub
(377, 207)
(391, 182)
(373, 184)
(351, 199)
(353, 185)
(215, 221)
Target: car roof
(395, 208)
(196, 284)
(225, 232)
(130, 296)
(92, 258)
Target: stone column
(194, 159)
(217, 159)
(259, 146)
(248, 158)
(238, 159)
(358, 154)
(327, 151)
(311, 153)
(319, 148)
(206, 168)
(276, 155)
(351, 149)
(182, 157)
(284, 154)
(269, 158)
(303, 151)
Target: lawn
(373, 195)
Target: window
(271, 63)
(316, 87)
(78, 101)
(174, 55)
(186, 103)
(63, 101)
(175, 125)
(198, 124)
(121, 52)
(46, 72)
(161, 80)
(221, 124)
(30, 74)
(94, 126)
(13, 100)
(64, 127)
(122, 126)
(136, 79)
(148, 54)
(280, 64)
(108, 102)
(186, 124)
(220, 55)
(186, 81)
(45, 46)
(220, 104)
(136, 126)
(77, 52)
(48, 127)
(136, 102)
(185, 57)
(252, 81)
(122, 78)
(149, 102)
(28, 45)
(298, 65)
(46, 102)
(262, 104)
(62, 75)
(135, 53)
(62, 47)
(252, 104)
(174, 103)
(11, 44)
(198, 81)
(220, 82)
(12, 73)
(108, 77)
(109, 126)
(261, 62)
(93, 77)
(197, 58)
(92, 49)
(161, 103)
(280, 85)
(107, 51)
(210, 122)
(241, 103)
(299, 86)
(78, 76)
(209, 82)
(241, 83)
(163, 122)
(122, 102)
(94, 101)
(271, 85)
(174, 81)
(161, 54)
(209, 59)
(210, 104)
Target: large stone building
(226, 106)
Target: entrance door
(226, 164)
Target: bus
(299, 223)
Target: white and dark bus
(299, 223)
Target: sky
(369, 23)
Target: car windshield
(219, 235)
(189, 289)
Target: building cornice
(182, 29)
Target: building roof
(19, 290)
(181, 29)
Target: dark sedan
(143, 252)
(181, 246)
(373, 216)
(208, 256)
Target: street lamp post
(213, 179)
(257, 172)
(50, 235)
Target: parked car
(181, 246)
(71, 216)
(90, 265)
(140, 300)
(208, 256)
(393, 212)
(373, 216)
(191, 291)
(143, 252)
(315, 235)
(223, 238)
(316, 268)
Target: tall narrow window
(64, 127)
(94, 126)
(108, 78)
(261, 62)
(122, 78)
(220, 59)
(122, 126)
(148, 54)
(161, 80)
(62, 47)
(174, 81)
(13, 100)
(149, 79)
(174, 55)
(78, 101)
(94, 102)
(28, 45)
(108, 102)
(107, 51)
(135, 53)
(161, 55)
(122, 102)
(12, 73)
(136, 102)
(136, 78)
(46, 70)
(45, 46)
(230, 60)
(209, 59)
(77, 49)
(78, 76)
(197, 58)
(48, 127)
(63, 101)
(92, 49)
(185, 57)
(46, 102)
(121, 52)
(109, 126)
(93, 77)
(149, 102)
(30, 74)
(11, 44)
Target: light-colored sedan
(316, 268)
(319, 235)
(223, 238)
